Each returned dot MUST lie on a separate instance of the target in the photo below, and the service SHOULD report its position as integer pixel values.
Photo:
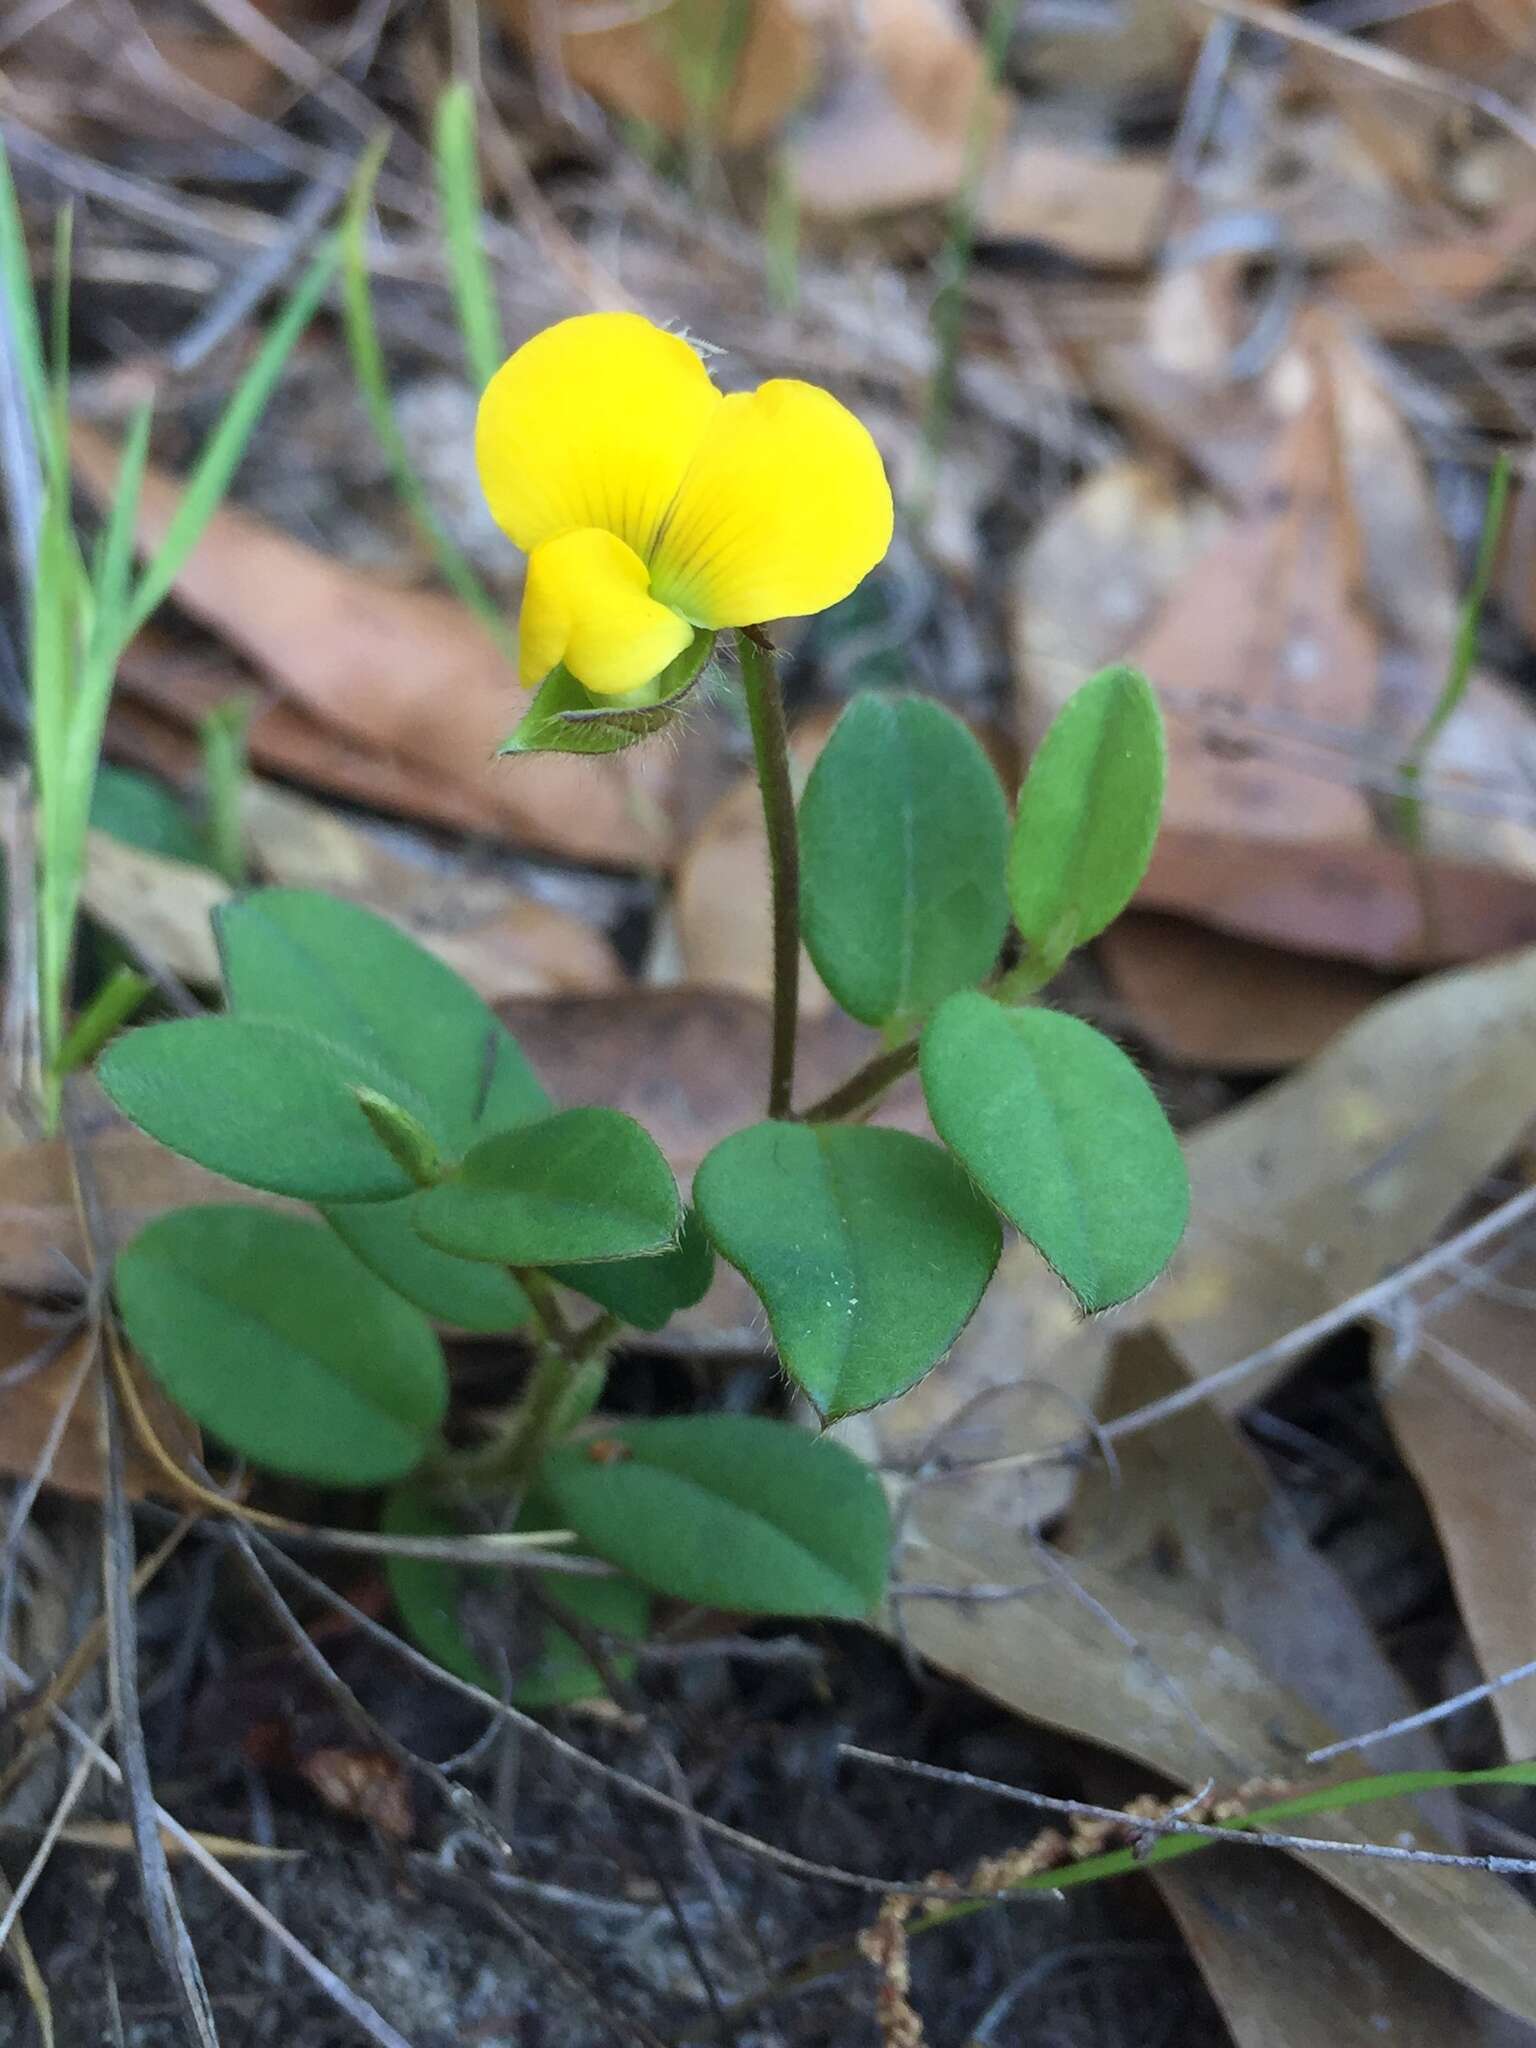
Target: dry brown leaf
(1272, 619)
(1190, 1702)
(1352, 899)
(161, 906)
(1462, 1406)
(1191, 1517)
(1402, 294)
(407, 673)
(137, 1181)
(1210, 999)
(1299, 650)
(722, 904)
(632, 65)
(1097, 205)
(1094, 575)
(163, 697)
(877, 145)
(1292, 1965)
(29, 1408)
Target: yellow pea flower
(651, 504)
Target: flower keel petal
(587, 603)
(591, 423)
(784, 509)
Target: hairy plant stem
(564, 1386)
(770, 743)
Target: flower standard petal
(587, 603)
(784, 509)
(591, 423)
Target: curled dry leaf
(408, 673)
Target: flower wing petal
(784, 509)
(591, 423)
(587, 603)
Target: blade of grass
(222, 452)
(455, 153)
(953, 266)
(118, 998)
(21, 303)
(373, 381)
(1410, 807)
(223, 736)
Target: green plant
(353, 1071)
(87, 606)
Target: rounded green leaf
(1066, 1137)
(429, 1593)
(428, 1590)
(1088, 815)
(143, 812)
(582, 1184)
(729, 1511)
(903, 843)
(648, 1292)
(464, 1292)
(266, 1104)
(869, 1249)
(295, 956)
(271, 1336)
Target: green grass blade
(458, 194)
(118, 998)
(210, 480)
(21, 301)
(1165, 1848)
(1463, 652)
(373, 381)
(223, 734)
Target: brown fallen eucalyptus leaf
(673, 65)
(164, 695)
(1299, 645)
(1087, 1653)
(1211, 999)
(408, 673)
(137, 1181)
(1462, 1405)
(898, 130)
(31, 1401)
(1290, 1964)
